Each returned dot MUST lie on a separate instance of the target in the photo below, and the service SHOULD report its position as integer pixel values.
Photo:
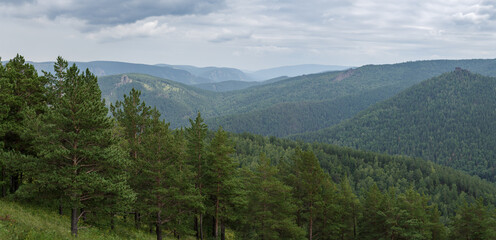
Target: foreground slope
(24, 221)
(449, 119)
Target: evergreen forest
(117, 165)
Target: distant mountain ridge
(295, 70)
(449, 119)
(215, 74)
(107, 68)
(233, 85)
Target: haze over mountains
(192, 75)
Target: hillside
(276, 109)
(214, 74)
(444, 185)
(448, 119)
(177, 102)
(303, 103)
(295, 70)
(226, 86)
(24, 221)
(106, 68)
(233, 85)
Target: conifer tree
(349, 208)
(21, 90)
(474, 221)
(133, 116)
(221, 179)
(196, 157)
(307, 180)
(79, 154)
(170, 193)
(272, 212)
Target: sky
(248, 34)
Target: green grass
(21, 221)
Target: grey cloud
(227, 37)
(16, 2)
(113, 12)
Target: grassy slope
(21, 221)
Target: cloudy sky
(248, 34)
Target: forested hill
(178, 102)
(364, 169)
(304, 103)
(449, 119)
(317, 101)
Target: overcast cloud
(248, 34)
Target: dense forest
(448, 119)
(325, 98)
(62, 147)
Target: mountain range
(192, 75)
(449, 119)
(293, 105)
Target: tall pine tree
(133, 116)
(21, 90)
(79, 154)
(196, 156)
(271, 210)
(170, 193)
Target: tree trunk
(201, 226)
(61, 210)
(213, 226)
(157, 227)
(216, 222)
(112, 223)
(196, 228)
(222, 231)
(137, 220)
(310, 228)
(74, 221)
(14, 182)
(2, 178)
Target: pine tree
(79, 154)
(21, 90)
(473, 221)
(221, 179)
(170, 193)
(307, 180)
(133, 117)
(349, 208)
(271, 208)
(196, 157)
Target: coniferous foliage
(217, 185)
(134, 118)
(448, 119)
(21, 91)
(272, 207)
(169, 193)
(196, 157)
(78, 158)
